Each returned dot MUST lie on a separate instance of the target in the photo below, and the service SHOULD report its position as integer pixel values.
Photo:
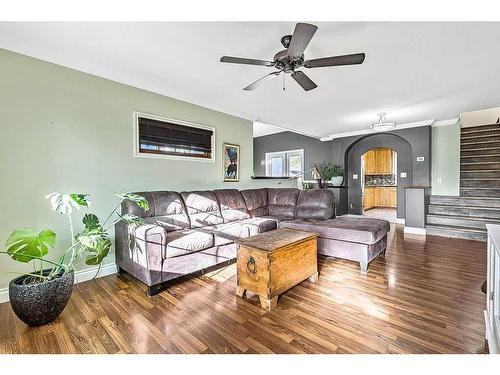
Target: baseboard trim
(80, 276)
(413, 230)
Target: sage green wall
(67, 131)
(446, 160)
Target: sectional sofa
(191, 232)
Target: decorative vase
(40, 303)
(337, 180)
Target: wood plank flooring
(424, 297)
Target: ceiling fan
(292, 58)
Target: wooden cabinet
(383, 160)
(380, 197)
(392, 197)
(370, 162)
(379, 161)
(369, 198)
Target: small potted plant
(40, 296)
(332, 172)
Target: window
(161, 137)
(284, 163)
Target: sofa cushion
(258, 225)
(165, 222)
(232, 205)
(316, 204)
(165, 204)
(350, 229)
(282, 202)
(202, 208)
(228, 232)
(169, 206)
(148, 232)
(188, 241)
(256, 201)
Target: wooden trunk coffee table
(270, 263)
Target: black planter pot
(39, 304)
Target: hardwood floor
(424, 297)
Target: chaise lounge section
(185, 234)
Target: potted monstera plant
(40, 296)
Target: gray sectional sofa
(188, 233)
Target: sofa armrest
(144, 244)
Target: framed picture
(231, 162)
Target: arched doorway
(352, 163)
(379, 183)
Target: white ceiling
(260, 129)
(413, 71)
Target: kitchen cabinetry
(370, 162)
(380, 196)
(379, 161)
(368, 198)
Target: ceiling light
(382, 125)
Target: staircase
(479, 201)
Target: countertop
(372, 186)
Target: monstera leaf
(131, 219)
(24, 244)
(98, 253)
(91, 222)
(92, 238)
(137, 199)
(65, 203)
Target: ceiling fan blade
(242, 60)
(304, 81)
(260, 81)
(300, 39)
(356, 58)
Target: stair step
(479, 192)
(456, 232)
(462, 221)
(480, 152)
(480, 174)
(480, 182)
(478, 212)
(480, 128)
(481, 135)
(488, 165)
(464, 201)
(480, 159)
(480, 140)
(481, 145)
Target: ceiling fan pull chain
(284, 82)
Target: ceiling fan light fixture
(382, 124)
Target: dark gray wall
(404, 158)
(315, 151)
(419, 173)
(409, 143)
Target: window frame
(136, 148)
(285, 153)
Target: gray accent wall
(409, 143)
(315, 151)
(419, 140)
